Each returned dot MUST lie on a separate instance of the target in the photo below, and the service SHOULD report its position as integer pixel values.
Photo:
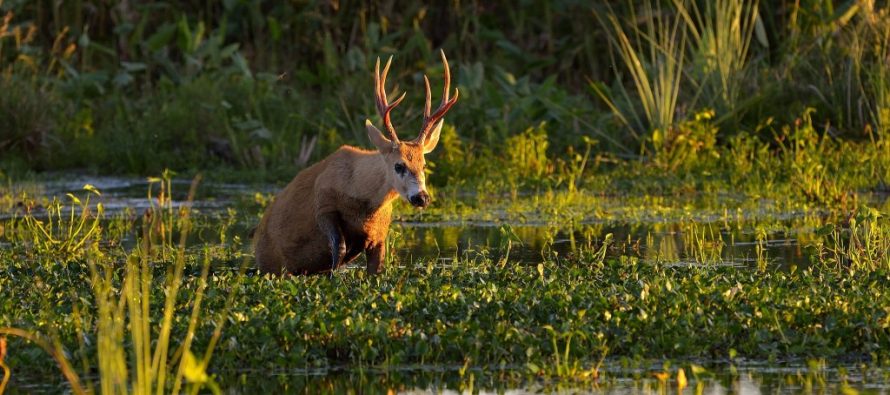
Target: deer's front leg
(329, 225)
(375, 254)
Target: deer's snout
(420, 200)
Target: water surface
(743, 236)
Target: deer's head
(404, 162)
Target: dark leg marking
(329, 224)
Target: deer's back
(287, 237)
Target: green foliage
(862, 247)
(526, 156)
(665, 290)
(63, 236)
(784, 108)
(654, 55)
(721, 35)
(132, 337)
(235, 86)
(691, 144)
(27, 113)
(564, 313)
(842, 55)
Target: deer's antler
(383, 106)
(430, 120)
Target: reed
(653, 55)
(720, 38)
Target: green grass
(553, 321)
(707, 121)
(132, 342)
(654, 55)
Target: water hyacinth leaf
(104, 49)
(84, 40)
(192, 369)
(845, 14)
(161, 37)
(471, 76)
(825, 230)
(274, 27)
(122, 79)
(846, 389)
(134, 66)
(248, 125)
(74, 199)
(229, 50)
(681, 379)
(697, 370)
(241, 64)
(760, 31)
(92, 189)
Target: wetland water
(720, 233)
(700, 238)
(747, 379)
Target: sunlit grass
(654, 56)
(132, 353)
(721, 32)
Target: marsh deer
(337, 208)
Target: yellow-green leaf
(192, 369)
(91, 188)
(73, 198)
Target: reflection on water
(671, 243)
(751, 378)
(776, 240)
(450, 380)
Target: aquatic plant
(133, 339)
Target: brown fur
(358, 185)
(337, 208)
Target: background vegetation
(136, 87)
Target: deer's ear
(380, 141)
(430, 144)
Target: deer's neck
(372, 181)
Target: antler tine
(426, 105)
(383, 106)
(447, 86)
(430, 120)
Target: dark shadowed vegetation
(136, 87)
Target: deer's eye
(400, 169)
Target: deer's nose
(421, 199)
